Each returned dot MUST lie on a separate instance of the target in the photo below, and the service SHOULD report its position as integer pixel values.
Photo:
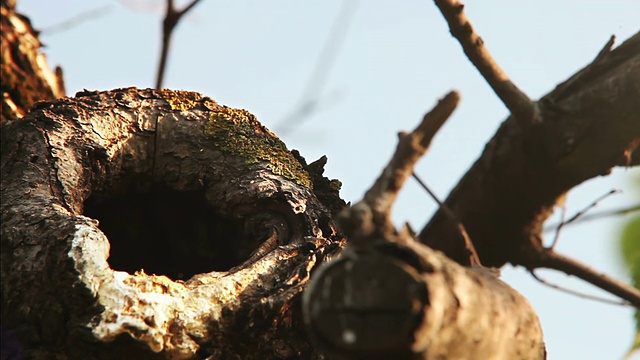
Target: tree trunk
(200, 196)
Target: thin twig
(552, 260)
(310, 98)
(559, 228)
(577, 293)
(514, 99)
(474, 259)
(171, 19)
(371, 217)
(598, 216)
(578, 215)
(77, 19)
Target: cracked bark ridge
(26, 78)
(583, 128)
(157, 224)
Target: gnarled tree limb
(390, 297)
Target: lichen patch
(239, 133)
(186, 100)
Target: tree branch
(597, 216)
(311, 95)
(371, 216)
(505, 197)
(388, 296)
(576, 216)
(577, 293)
(552, 260)
(473, 254)
(513, 98)
(79, 18)
(171, 19)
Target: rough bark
(581, 129)
(201, 197)
(402, 300)
(26, 78)
(159, 224)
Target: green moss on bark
(186, 100)
(239, 133)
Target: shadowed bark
(582, 129)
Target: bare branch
(578, 215)
(311, 95)
(505, 197)
(371, 216)
(473, 255)
(598, 215)
(171, 20)
(514, 99)
(188, 7)
(577, 293)
(77, 19)
(552, 260)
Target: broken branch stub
(403, 300)
(389, 297)
(157, 218)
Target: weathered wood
(187, 190)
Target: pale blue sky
(397, 59)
